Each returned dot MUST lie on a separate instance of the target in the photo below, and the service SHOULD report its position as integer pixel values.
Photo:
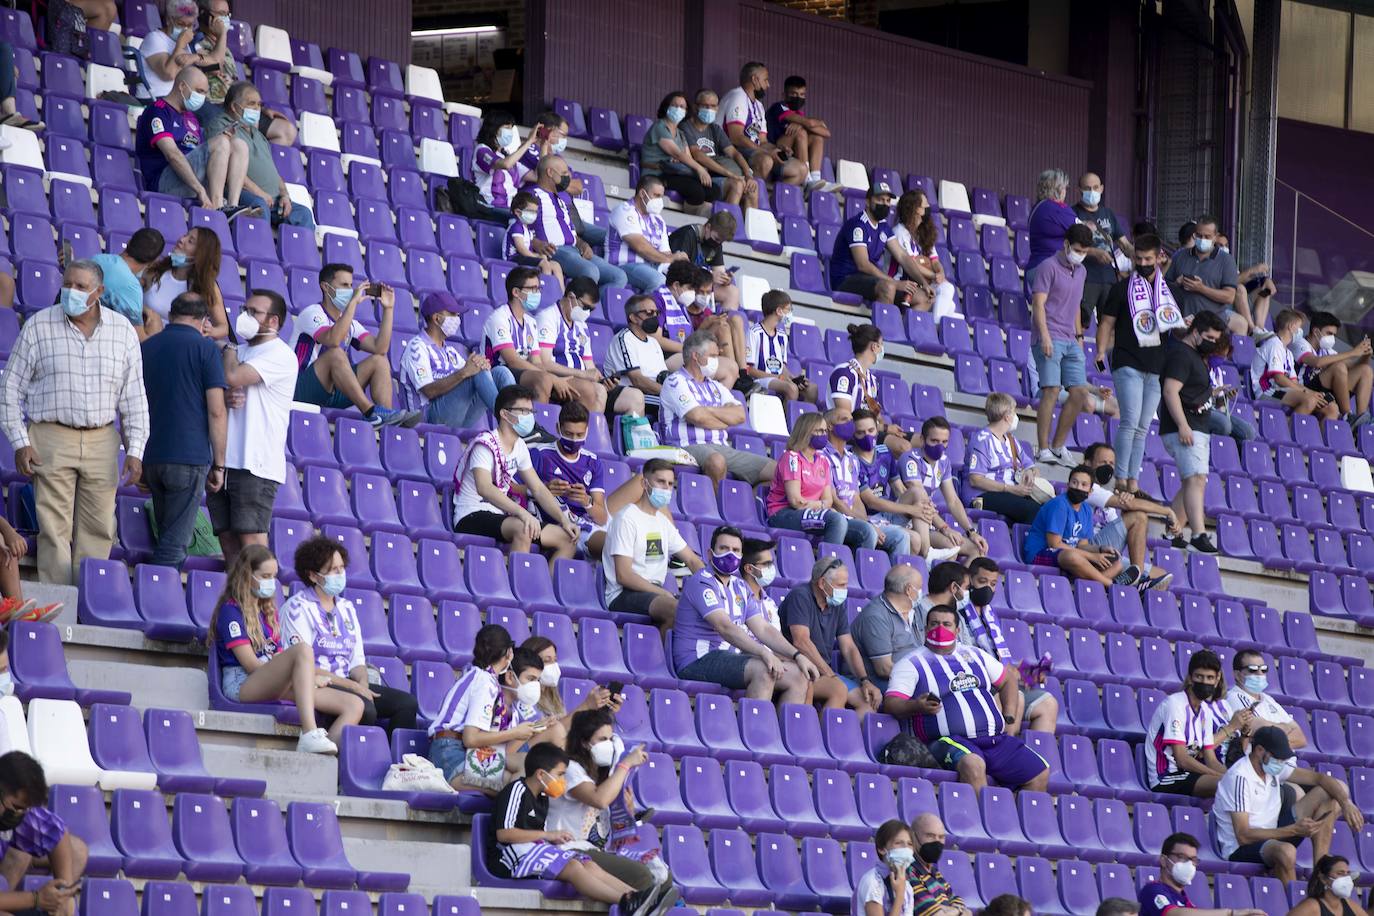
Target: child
(518, 846)
(13, 606)
(518, 237)
(575, 478)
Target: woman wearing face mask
(550, 703)
(665, 153)
(883, 890)
(320, 617)
(193, 265)
(170, 49)
(254, 667)
(999, 473)
(1330, 890)
(801, 494)
(500, 162)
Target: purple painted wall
(372, 28)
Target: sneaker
(642, 815)
(1203, 544)
(667, 898)
(1047, 456)
(381, 416)
(234, 211)
(678, 568)
(1158, 584)
(540, 436)
(316, 742)
(1361, 420)
(1176, 540)
(639, 903)
(12, 609)
(1128, 576)
(815, 184)
(1065, 456)
(940, 554)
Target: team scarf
(1152, 313)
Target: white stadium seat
(318, 132)
(766, 415)
(438, 158)
(423, 83)
(57, 735)
(14, 730)
(954, 196)
(274, 44)
(851, 174)
(761, 226)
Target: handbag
(484, 768)
(636, 432)
(416, 774)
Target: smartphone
(374, 289)
(732, 269)
(615, 687)
(67, 255)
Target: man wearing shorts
(261, 374)
(639, 541)
(1121, 520)
(1186, 390)
(746, 125)
(1056, 292)
(814, 618)
(947, 690)
(574, 476)
(1274, 371)
(698, 412)
(1181, 738)
(855, 262)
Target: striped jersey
(767, 352)
(555, 222)
(502, 332)
(497, 186)
(568, 342)
(964, 681)
(627, 351)
(998, 459)
(931, 475)
(626, 221)
(1176, 722)
(680, 395)
(703, 593)
(844, 473)
(422, 363)
(851, 383)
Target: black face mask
(796, 102)
(563, 183)
(1104, 474)
(981, 595)
(1075, 496)
(11, 819)
(880, 211)
(1147, 271)
(1203, 692)
(930, 852)
(1207, 347)
(760, 93)
(649, 325)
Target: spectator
(1324, 369)
(520, 236)
(263, 188)
(574, 478)
(638, 238)
(1178, 862)
(731, 175)
(556, 235)
(184, 380)
(770, 343)
(801, 496)
(1251, 679)
(758, 569)
(1050, 219)
(565, 347)
(33, 831)
(519, 846)
(123, 291)
(699, 411)
(261, 374)
(1208, 280)
(1259, 817)
(256, 667)
(665, 154)
(818, 625)
(678, 292)
(551, 701)
(720, 636)
(1186, 391)
(1111, 249)
(639, 541)
(321, 617)
(1274, 372)
(500, 162)
(704, 246)
(883, 889)
(1142, 300)
(854, 385)
(878, 481)
(192, 266)
(911, 256)
(932, 893)
(72, 373)
(510, 335)
(860, 246)
(10, 116)
(947, 691)
(1221, 417)
(925, 472)
(999, 475)
(747, 127)
(551, 139)
(1182, 732)
(1007, 905)
(13, 548)
(801, 137)
(211, 54)
(1061, 537)
(176, 157)
(1254, 279)
(1056, 294)
(598, 806)
(327, 377)
(1118, 906)
(706, 314)
(437, 379)
(477, 719)
(1330, 889)
(166, 52)
(844, 474)
(635, 362)
(522, 687)
(485, 500)
(886, 630)
(1121, 520)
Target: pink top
(814, 476)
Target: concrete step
(150, 685)
(445, 866)
(288, 773)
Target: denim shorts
(1112, 534)
(1193, 460)
(448, 755)
(1065, 368)
(719, 666)
(231, 680)
(310, 390)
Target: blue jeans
(896, 539)
(462, 406)
(861, 534)
(593, 235)
(594, 268)
(1221, 423)
(836, 525)
(644, 277)
(1137, 393)
(299, 216)
(176, 490)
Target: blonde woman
(254, 668)
(550, 703)
(801, 494)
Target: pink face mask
(940, 637)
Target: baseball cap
(879, 188)
(1274, 740)
(435, 303)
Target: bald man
(1109, 239)
(932, 893)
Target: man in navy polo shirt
(855, 264)
(184, 377)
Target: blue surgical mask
(264, 588)
(676, 114)
(1255, 683)
(533, 300)
(1092, 198)
(1274, 766)
(898, 859)
(837, 597)
(334, 584)
(706, 115)
(342, 297)
(524, 425)
(177, 30)
(179, 259)
(659, 497)
(1203, 245)
(505, 137)
(194, 101)
(559, 146)
(74, 301)
(251, 116)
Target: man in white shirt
(638, 239)
(1121, 520)
(1181, 737)
(1262, 817)
(510, 336)
(565, 346)
(635, 361)
(328, 378)
(1260, 710)
(451, 389)
(746, 124)
(1274, 371)
(261, 374)
(639, 541)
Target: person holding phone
(1061, 537)
(32, 831)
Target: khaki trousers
(74, 494)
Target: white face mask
(1183, 872)
(528, 692)
(709, 370)
(1328, 342)
(654, 205)
(581, 313)
(451, 325)
(686, 297)
(246, 326)
(1076, 257)
(550, 675)
(1015, 422)
(527, 217)
(603, 753)
(1343, 887)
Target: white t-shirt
(1272, 358)
(1266, 707)
(648, 540)
(629, 352)
(155, 43)
(158, 298)
(479, 456)
(738, 107)
(256, 439)
(1098, 497)
(567, 813)
(313, 321)
(1242, 789)
(626, 220)
(873, 887)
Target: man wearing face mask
(263, 188)
(565, 346)
(1262, 816)
(814, 618)
(635, 362)
(981, 627)
(931, 891)
(801, 136)
(31, 830)
(436, 378)
(1186, 391)
(556, 232)
(706, 141)
(1056, 292)
(720, 635)
(1110, 245)
(1061, 538)
(1181, 737)
(1340, 374)
(947, 689)
(856, 261)
(638, 238)
(1121, 520)
(888, 628)
(746, 124)
(759, 568)
(1178, 863)
(75, 369)
(639, 541)
(927, 471)
(123, 291)
(1209, 280)
(1251, 679)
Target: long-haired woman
(193, 264)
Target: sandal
(20, 121)
(38, 614)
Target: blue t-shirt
(1058, 517)
(179, 366)
(1158, 898)
(123, 293)
(157, 121)
(231, 633)
(857, 231)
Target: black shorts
(650, 410)
(243, 505)
(860, 284)
(1314, 383)
(630, 601)
(485, 524)
(1254, 852)
(1183, 785)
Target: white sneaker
(1065, 456)
(1047, 456)
(940, 554)
(316, 742)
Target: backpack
(464, 199)
(907, 751)
(66, 29)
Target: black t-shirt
(1127, 351)
(1106, 230)
(515, 808)
(1184, 363)
(826, 625)
(700, 252)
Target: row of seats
(117, 897)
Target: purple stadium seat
(431, 684)
(1079, 761)
(703, 790)
(656, 786)
(116, 739)
(1040, 826)
(163, 898)
(364, 757)
(413, 629)
(801, 734)
(313, 832)
(714, 716)
(780, 868)
(107, 897)
(685, 852)
(162, 604)
(749, 796)
(108, 579)
(261, 841)
(758, 726)
(834, 801)
(959, 811)
(40, 667)
(175, 755)
(200, 829)
(82, 808)
(732, 862)
(138, 823)
(823, 869)
(1114, 832)
(844, 740)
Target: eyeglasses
(1178, 857)
(531, 289)
(519, 411)
(642, 313)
